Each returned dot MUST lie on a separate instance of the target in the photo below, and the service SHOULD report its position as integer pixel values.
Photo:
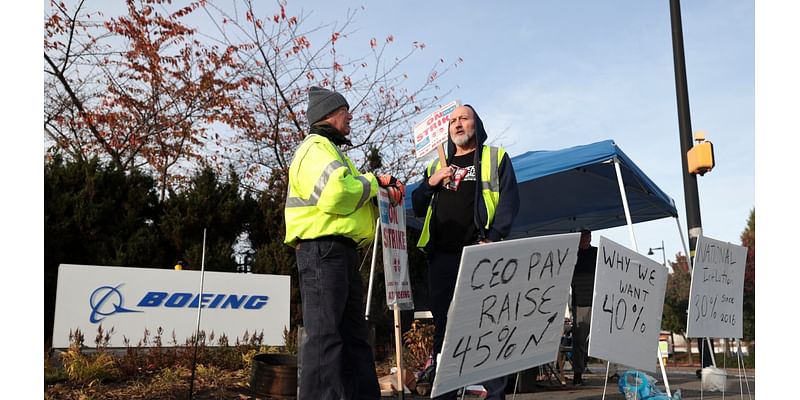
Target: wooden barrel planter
(274, 375)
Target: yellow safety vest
(327, 195)
(490, 188)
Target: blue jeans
(337, 361)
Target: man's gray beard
(463, 140)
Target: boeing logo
(107, 300)
(207, 300)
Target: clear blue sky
(549, 75)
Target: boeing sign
(130, 300)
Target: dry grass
(152, 371)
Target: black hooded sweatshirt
(506, 210)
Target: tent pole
(625, 204)
(683, 242)
(636, 249)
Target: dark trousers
(442, 275)
(581, 318)
(706, 352)
(337, 361)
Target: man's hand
(387, 180)
(394, 187)
(441, 175)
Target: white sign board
(507, 312)
(395, 255)
(432, 131)
(627, 306)
(130, 300)
(715, 297)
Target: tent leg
(625, 204)
(663, 372)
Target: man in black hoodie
(472, 200)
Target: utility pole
(690, 195)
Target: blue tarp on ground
(564, 190)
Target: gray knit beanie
(322, 102)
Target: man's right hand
(441, 175)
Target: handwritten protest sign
(715, 297)
(432, 131)
(507, 313)
(395, 255)
(626, 310)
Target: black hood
(480, 134)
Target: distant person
(473, 200)
(330, 213)
(582, 291)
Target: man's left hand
(395, 188)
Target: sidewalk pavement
(683, 378)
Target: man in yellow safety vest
(473, 200)
(329, 212)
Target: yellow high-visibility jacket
(489, 188)
(327, 195)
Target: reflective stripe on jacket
(490, 188)
(327, 195)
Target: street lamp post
(663, 253)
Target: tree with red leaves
(139, 89)
(145, 89)
(284, 58)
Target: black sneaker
(577, 380)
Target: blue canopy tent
(565, 190)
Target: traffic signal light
(701, 156)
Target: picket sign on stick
(627, 306)
(715, 295)
(395, 253)
(507, 310)
(391, 227)
(398, 351)
(431, 133)
(372, 266)
(629, 220)
(442, 156)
